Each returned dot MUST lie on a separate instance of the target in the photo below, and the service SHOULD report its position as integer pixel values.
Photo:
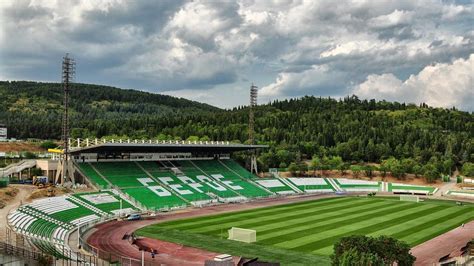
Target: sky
(211, 51)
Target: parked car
(134, 217)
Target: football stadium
(193, 195)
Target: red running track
(107, 237)
(449, 243)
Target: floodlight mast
(68, 73)
(253, 104)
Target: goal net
(409, 198)
(243, 235)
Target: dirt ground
(20, 146)
(22, 196)
(43, 192)
(7, 194)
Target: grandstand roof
(165, 147)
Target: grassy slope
(286, 232)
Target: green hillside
(330, 130)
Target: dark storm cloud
(291, 48)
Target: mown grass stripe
(289, 217)
(263, 227)
(392, 230)
(365, 227)
(432, 228)
(408, 224)
(328, 224)
(268, 228)
(319, 223)
(262, 210)
(320, 232)
(217, 219)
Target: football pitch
(306, 231)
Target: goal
(243, 235)
(409, 198)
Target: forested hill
(33, 109)
(356, 130)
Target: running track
(108, 237)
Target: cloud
(317, 80)
(197, 48)
(396, 18)
(439, 85)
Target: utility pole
(68, 73)
(253, 104)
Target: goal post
(411, 198)
(243, 235)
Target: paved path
(429, 252)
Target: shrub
(372, 250)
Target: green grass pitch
(304, 232)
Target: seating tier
(275, 185)
(93, 175)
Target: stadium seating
(94, 177)
(209, 184)
(191, 191)
(275, 185)
(238, 169)
(312, 184)
(230, 178)
(179, 182)
(353, 185)
(47, 222)
(106, 202)
(121, 174)
(406, 188)
(460, 193)
(155, 197)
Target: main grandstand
(154, 176)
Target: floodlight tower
(253, 104)
(68, 73)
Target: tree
(448, 166)
(468, 169)
(383, 170)
(343, 167)
(36, 171)
(417, 170)
(395, 167)
(357, 131)
(431, 173)
(335, 162)
(293, 168)
(372, 249)
(29, 155)
(315, 164)
(352, 257)
(408, 164)
(369, 171)
(302, 167)
(193, 138)
(48, 145)
(355, 170)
